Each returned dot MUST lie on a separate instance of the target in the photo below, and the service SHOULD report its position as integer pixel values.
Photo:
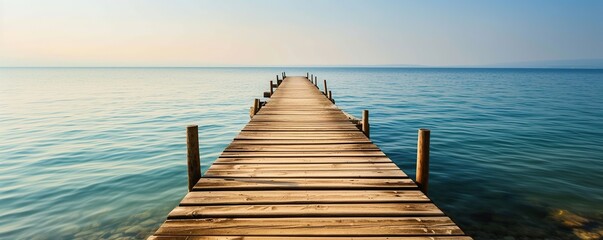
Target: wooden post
(193, 161)
(256, 106)
(423, 159)
(271, 89)
(366, 128)
(330, 96)
(326, 90)
(312, 77)
(307, 75)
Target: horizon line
(328, 66)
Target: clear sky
(218, 33)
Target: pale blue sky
(217, 33)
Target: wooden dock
(301, 169)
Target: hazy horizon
(544, 64)
(64, 33)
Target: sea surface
(99, 153)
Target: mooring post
(307, 75)
(423, 159)
(193, 161)
(256, 107)
(271, 89)
(326, 90)
(366, 128)
(312, 77)
(330, 96)
(257, 103)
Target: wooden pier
(301, 169)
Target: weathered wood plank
(306, 238)
(287, 160)
(359, 173)
(307, 210)
(301, 197)
(301, 141)
(283, 111)
(249, 135)
(306, 166)
(341, 226)
(239, 184)
(346, 153)
(298, 129)
(289, 118)
(302, 124)
(314, 133)
(238, 147)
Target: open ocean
(100, 152)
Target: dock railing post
(423, 159)
(366, 128)
(271, 88)
(326, 90)
(256, 107)
(193, 161)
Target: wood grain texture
(197, 198)
(305, 166)
(239, 184)
(330, 153)
(302, 141)
(318, 227)
(358, 173)
(288, 160)
(238, 147)
(308, 238)
(307, 210)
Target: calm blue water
(100, 152)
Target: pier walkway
(301, 169)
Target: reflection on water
(100, 152)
